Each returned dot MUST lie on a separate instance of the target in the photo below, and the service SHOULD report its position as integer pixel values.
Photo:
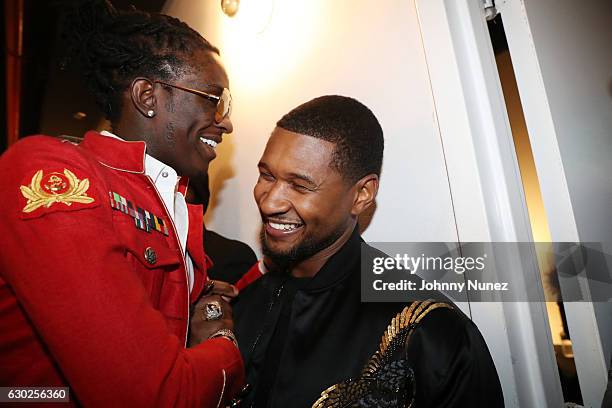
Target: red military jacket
(93, 283)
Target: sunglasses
(223, 102)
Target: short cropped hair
(347, 123)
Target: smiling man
(302, 326)
(101, 256)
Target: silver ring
(213, 310)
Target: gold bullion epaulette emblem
(47, 189)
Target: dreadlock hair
(112, 47)
(347, 123)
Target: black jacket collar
(340, 266)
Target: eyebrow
(303, 177)
(216, 87)
(293, 175)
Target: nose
(226, 125)
(271, 198)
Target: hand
(217, 287)
(200, 328)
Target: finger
(224, 288)
(227, 310)
(207, 299)
(201, 305)
(208, 287)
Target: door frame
(486, 190)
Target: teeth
(283, 227)
(209, 142)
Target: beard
(309, 246)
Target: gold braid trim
(395, 337)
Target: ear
(366, 190)
(143, 97)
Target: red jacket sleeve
(253, 274)
(71, 278)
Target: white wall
(367, 50)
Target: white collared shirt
(166, 181)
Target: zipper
(275, 297)
(271, 304)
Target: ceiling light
(230, 7)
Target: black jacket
(231, 258)
(329, 335)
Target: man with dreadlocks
(101, 256)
